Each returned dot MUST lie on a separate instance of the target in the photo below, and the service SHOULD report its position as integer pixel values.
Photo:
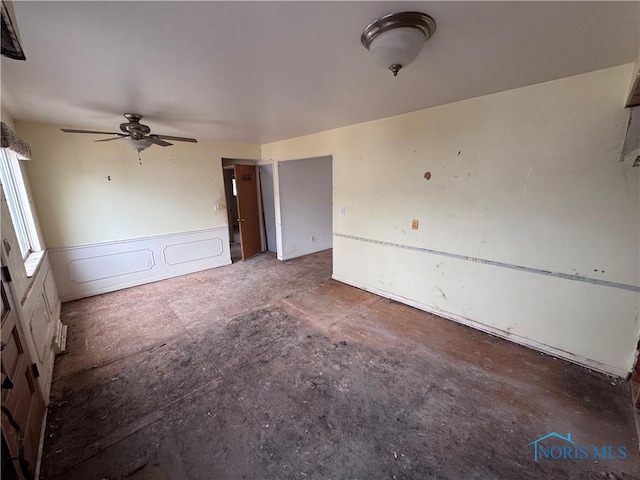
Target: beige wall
(173, 191)
(6, 117)
(526, 191)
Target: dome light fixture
(395, 40)
(138, 144)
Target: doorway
(305, 195)
(241, 192)
(232, 213)
(268, 207)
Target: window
(18, 203)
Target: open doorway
(232, 213)
(241, 192)
(268, 207)
(303, 190)
(305, 195)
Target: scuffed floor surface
(265, 369)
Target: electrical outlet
(216, 207)
(342, 210)
(414, 224)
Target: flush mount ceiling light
(395, 40)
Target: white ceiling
(266, 71)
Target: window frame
(18, 203)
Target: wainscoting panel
(115, 264)
(190, 251)
(100, 268)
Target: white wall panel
(94, 269)
(178, 253)
(115, 264)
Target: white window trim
(20, 210)
(32, 262)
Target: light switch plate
(414, 224)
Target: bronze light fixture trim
(395, 40)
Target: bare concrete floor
(265, 369)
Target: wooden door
(248, 215)
(23, 406)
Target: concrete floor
(265, 369)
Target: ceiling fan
(136, 134)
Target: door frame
(246, 180)
(265, 244)
(227, 164)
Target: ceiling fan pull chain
(139, 159)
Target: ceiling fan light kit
(135, 134)
(395, 40)
(138, 144)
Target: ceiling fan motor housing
(134, 127)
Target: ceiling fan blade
(157, 141)
(177, 139)
(71, 130)
(109, 139)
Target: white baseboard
(88, 270)
(303, 253)
(585, 362)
